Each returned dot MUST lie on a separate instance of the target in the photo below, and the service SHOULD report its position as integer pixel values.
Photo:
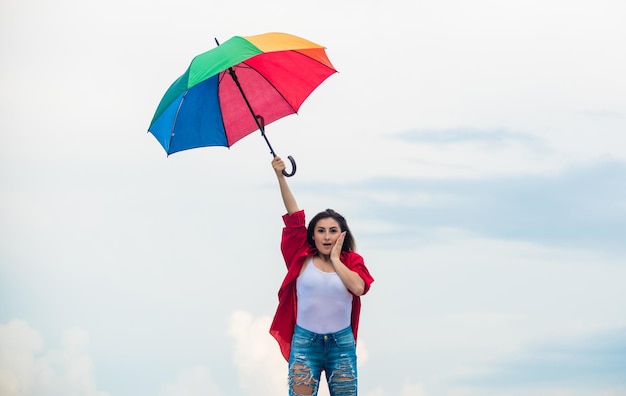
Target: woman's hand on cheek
(336, 252)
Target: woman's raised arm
(288, 199)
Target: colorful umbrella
(238, 87)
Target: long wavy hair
(348, 242)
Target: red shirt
(296, 249)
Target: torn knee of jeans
(343, 380)
(301, 379)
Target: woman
(319, 303)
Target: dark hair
(348, 242)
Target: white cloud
(18, 344)
(27, 369)
(408, 389)
(411, 389)
(376, 392)
(196, 381)
(262, 369)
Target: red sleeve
(294, 236)
(357, 264)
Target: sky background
(477, 149)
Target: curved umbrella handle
(293, 167)
(260, 122)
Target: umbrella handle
(293, 167)
(260, 122)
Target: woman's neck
(325, 257)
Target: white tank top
(324, 302)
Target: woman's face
(325, 234)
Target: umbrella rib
(172, 134)
(268, 81)
(220, 77)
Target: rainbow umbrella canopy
(238, 87)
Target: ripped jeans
(311, 353)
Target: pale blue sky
(477, 149)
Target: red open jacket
(296, 249)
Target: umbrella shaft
(257, 118)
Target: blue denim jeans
(312, 353)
